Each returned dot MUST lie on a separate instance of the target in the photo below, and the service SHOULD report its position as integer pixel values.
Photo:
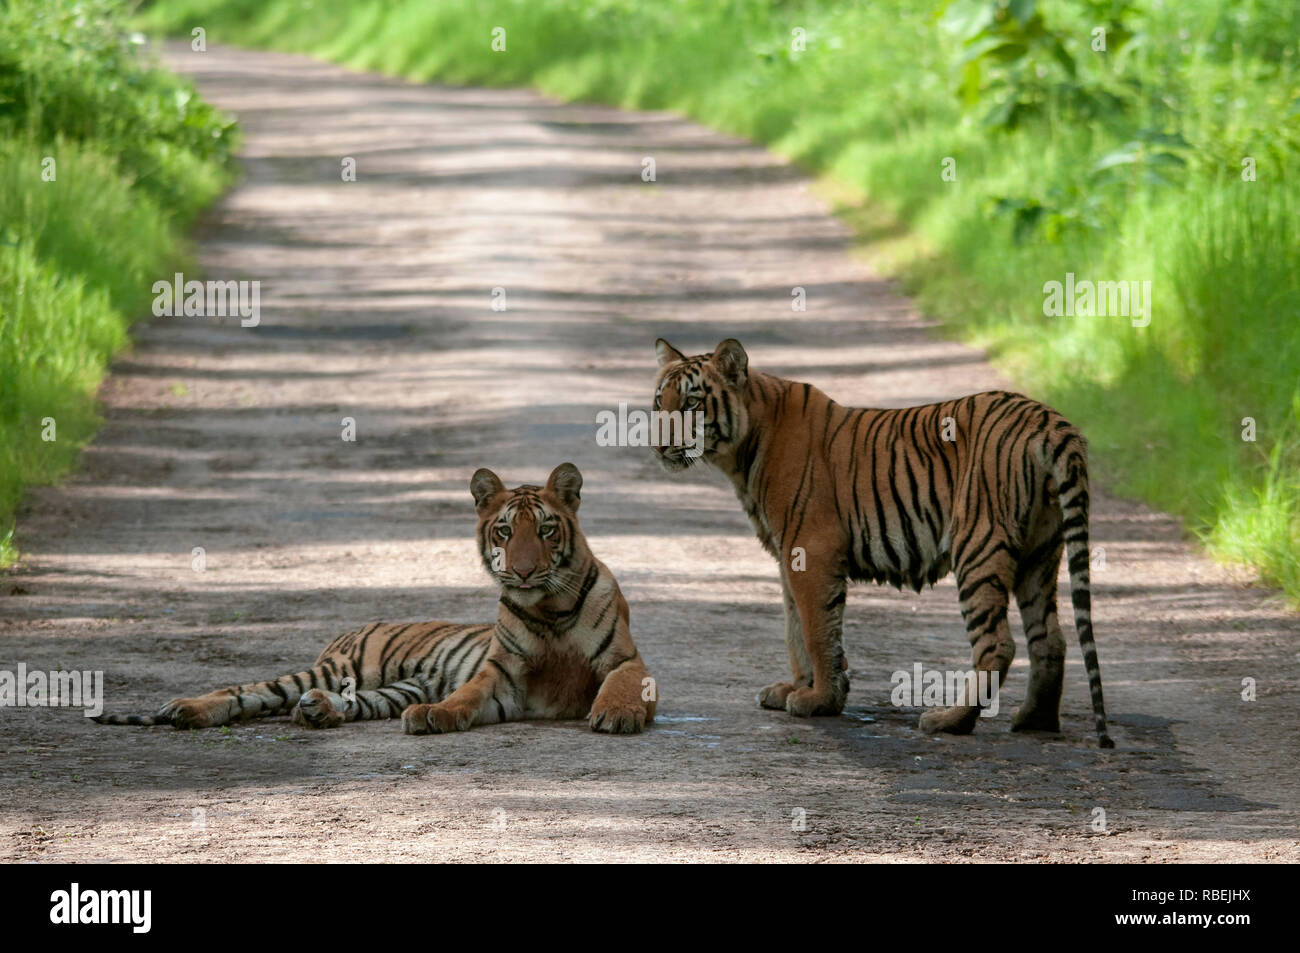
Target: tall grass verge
(104, 162)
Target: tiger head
(708, 384)
(529, 537)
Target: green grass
(1123, 165)
(103, 164)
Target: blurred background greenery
(1130, 162)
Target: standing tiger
(560, 647)
(992, 486)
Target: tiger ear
(566, 483)
(730, 359)
(667, 353)
(485, 485)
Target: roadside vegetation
(104, 162)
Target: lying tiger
(992, 486)
(560, 647)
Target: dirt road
(376, 304)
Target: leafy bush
(72, 70)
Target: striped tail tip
(141, 720)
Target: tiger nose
(525, 569)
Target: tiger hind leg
(241, 702)
(325, 709)
(1036, 596)
(237, 703)
(984, 600)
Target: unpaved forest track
(376, 302)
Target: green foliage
(71, 70)
(1013, 61)
(103, 162)
(1150, 161)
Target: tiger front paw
(616, 718)
(958, 720)
(806, 702)
(435, 719)
(774, 695)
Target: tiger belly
(910, 569)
